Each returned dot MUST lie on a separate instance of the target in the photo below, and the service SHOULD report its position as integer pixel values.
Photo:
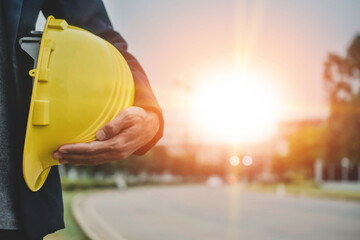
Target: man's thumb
(101, 135)
(108, 131)
(113, 128)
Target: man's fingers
(94, 159)
(86, 159)
(85, 148)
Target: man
(32, 215)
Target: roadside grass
(308, 189)
(72, 230)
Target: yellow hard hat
(81, 82)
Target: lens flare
(247, 161)
(234, 161)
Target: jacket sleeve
(92, 16)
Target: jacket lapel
(12, 16)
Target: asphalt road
(200, 212)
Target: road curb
(90, 221)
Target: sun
(234, 107)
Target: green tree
(305, 145)
(342, 81)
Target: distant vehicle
(214, 181)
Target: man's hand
(130, 130)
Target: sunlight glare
(235, 107)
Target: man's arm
(135, 129)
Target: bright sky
(182, 43)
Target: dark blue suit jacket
(42, 212)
